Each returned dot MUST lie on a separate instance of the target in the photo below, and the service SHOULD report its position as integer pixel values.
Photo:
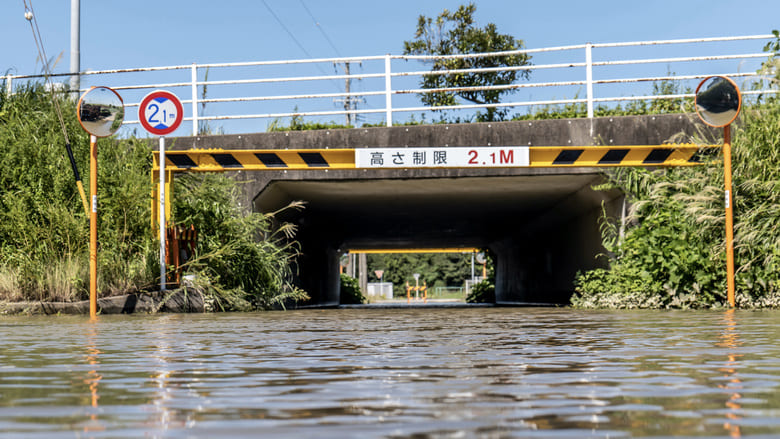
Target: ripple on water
(396, 373)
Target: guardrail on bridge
(387, 85)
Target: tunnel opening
(541, 229)
(408, 276)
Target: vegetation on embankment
(44, 229)
(671, 253)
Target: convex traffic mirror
(101, 111)
(718, 101)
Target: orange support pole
(729, 216)
(93, 170)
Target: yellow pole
(83, 195)
(93, 227)
(729, 215)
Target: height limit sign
(160, 112)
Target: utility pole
(348, 99)
(363, 272)
(350, 102)
(75, 42)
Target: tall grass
(244, 258)
(44, 230)
(42, 222)
(673, 252)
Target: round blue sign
(160, 112)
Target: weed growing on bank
(244, 262)
(43, 227)
(44, 241)
(673, 252)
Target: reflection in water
(163, 333)
(730, 340)
(162, 372)
(93, 377)
(415, 373)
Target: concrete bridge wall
(542, 224)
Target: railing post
(388, 92)
(194, 71)
(8, 87)
(589, 77)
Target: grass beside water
(44, 231)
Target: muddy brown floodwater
(393, 373)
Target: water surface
(394, 373)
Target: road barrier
(389, 84)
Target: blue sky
(152, 33)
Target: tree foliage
(435, 269)
(455, 33)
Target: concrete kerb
(175, 301)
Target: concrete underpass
(540, 228)
(541, 224)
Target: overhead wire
(322, 31)
(292, 36)
(29, 14)
(281, 23)
(330, 42)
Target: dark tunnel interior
(542, 229)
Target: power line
(349, 102)
(29, 14)
(322, 30)
(298, 43)
(278, 20)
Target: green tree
(771, 67)
(435, 269)
(453, 33)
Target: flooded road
(393, 373)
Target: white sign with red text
(443, 157)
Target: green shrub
(674, 250)
(350, 291)
(243, 260)
(483, 292)
(44, 231)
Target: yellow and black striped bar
(218, 160)
(686, 154)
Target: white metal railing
(253, 90)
